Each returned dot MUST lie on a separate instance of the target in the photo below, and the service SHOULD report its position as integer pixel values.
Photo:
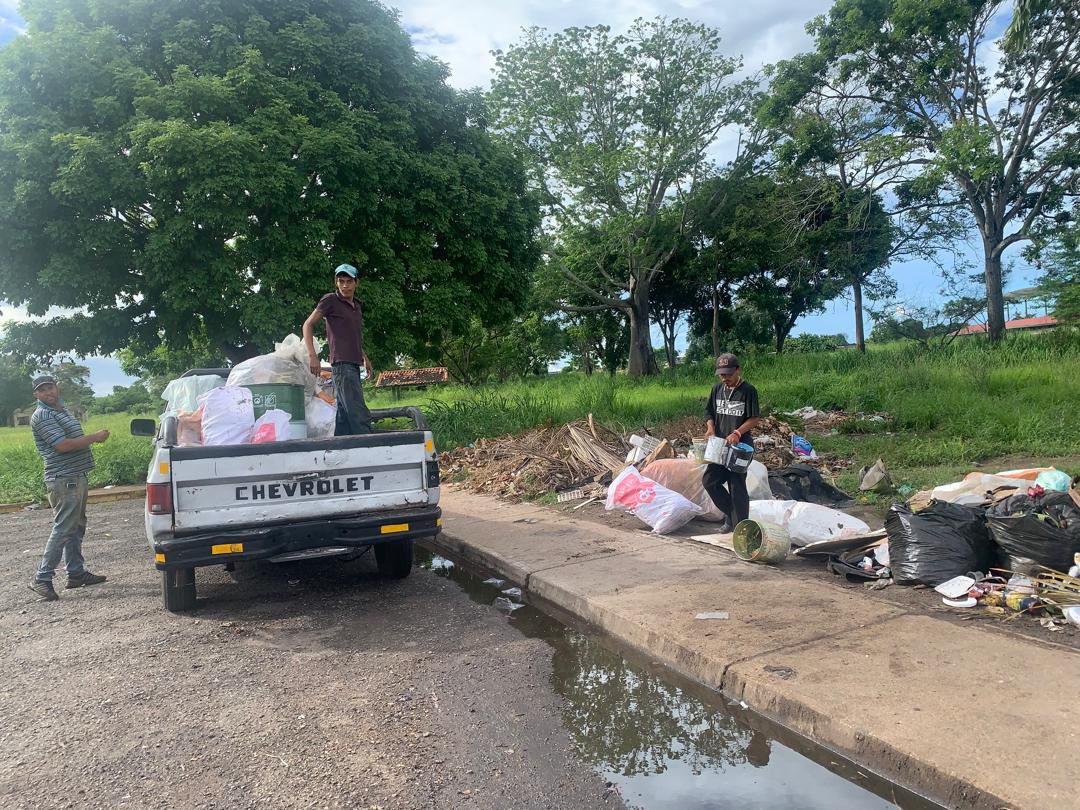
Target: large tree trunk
(995, 299)
(642, 362)
(860, 337)
(781, 331)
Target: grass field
(123, 459)
(950, 409)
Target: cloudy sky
(463, 34)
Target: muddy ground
(304, 685)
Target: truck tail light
(159, 499)
(432, 473)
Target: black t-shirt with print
(729, 409)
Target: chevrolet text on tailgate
(289, 500)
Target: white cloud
(464, 34)
(11, 24)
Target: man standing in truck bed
(345, 331)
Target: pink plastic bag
(272, 426)
(663, 509)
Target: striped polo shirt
(51, 426)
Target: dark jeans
(732, 501)
(353, 416)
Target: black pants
(353, 416)
(732, 501)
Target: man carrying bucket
(732, 413)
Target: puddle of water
(672, 745)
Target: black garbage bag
(943, 541)
(1036, 530)
(801, 482)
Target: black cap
(727, 363)
(43, 379)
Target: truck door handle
(306, 476)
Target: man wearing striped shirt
(66, 451)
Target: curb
(125, 493)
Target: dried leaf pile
(539, 460)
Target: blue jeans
(353, 416)
(67, 497)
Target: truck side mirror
(143, 427)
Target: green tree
(618, 127)
(134, 398)
(1000, 144)
(176, 170)
(14, 387)
(1061, 262)
(73, 380)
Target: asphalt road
(304, 685)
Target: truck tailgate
(246, 485)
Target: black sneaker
(44, 590)
(86, 578)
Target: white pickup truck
(288, 500)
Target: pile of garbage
(243, 409)
(576, 455)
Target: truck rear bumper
(259, 543)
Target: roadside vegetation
(949, 408)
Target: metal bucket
(761, 542)
(737, 457)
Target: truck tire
(178, 589)
(395, 558)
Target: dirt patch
(303, 685)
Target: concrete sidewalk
(971, 718)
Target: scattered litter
(594, 499)
(807, 522)
(802, 447)
(966, 602)
(875, 478)
(495, 581)
(1051, 625)
(505, 605)
(956, 587)
(743, 704)
(571, 495)
(1072, 615)
(712, 614)
(512, 593)
(787, 673)
(440, 563)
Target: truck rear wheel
(178, 589)
(395, 558)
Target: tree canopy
(175, 171)
(618, 126)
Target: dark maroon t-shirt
(344, 328)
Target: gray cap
(43, 379)
(727, 364)
(346, 269)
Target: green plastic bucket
(289, 398)
(761, 542)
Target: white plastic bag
(757, 482)
(684, 476)
(661, 508)
(972, 490)
(182, 394)
(320, 417)
(228, 415)
(272, 426)
(287, 365)
(807, 522)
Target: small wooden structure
(411, 378)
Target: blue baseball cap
(347, 269)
